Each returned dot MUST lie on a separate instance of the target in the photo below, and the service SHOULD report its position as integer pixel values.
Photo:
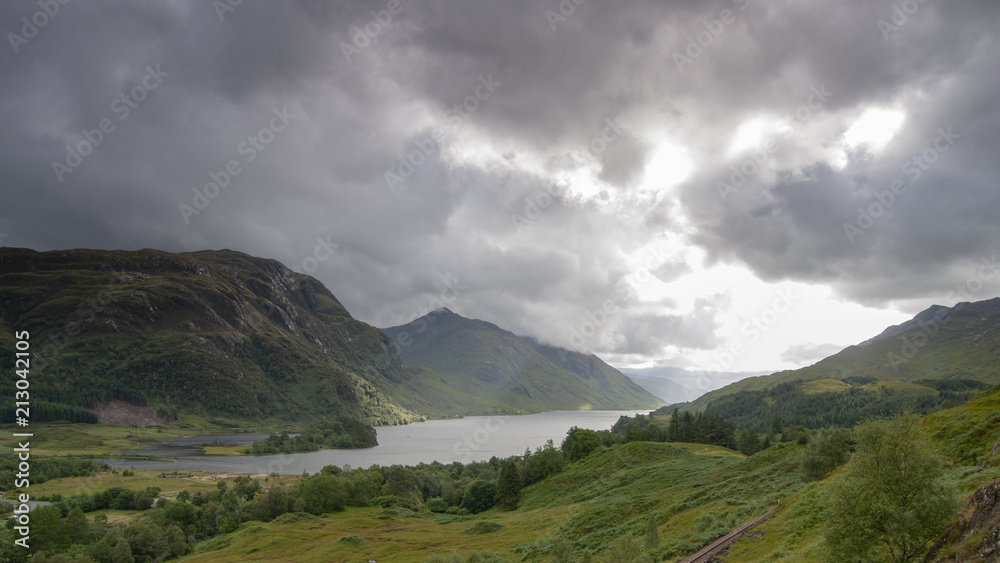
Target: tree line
(343, 432)
(842, 409)
(886, 457)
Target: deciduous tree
(890, 502)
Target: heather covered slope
(960, 342)
(217, 333)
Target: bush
(827, 451)
(389, 501)
(437, 504)
(401, 512)
(479, 496)
(580, 442)
(293, 517)
(353, 540)
(482, 527)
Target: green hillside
(510, 372)
(219, 334)
(637, 501)
(602, 504)
(961, 342)
(825, 403)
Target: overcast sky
(656, 182)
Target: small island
(340, 433)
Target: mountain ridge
(482, 359)
(220, 333)
(940, 342)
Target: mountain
(677, 385)
(960, 342)
(481, 360)
(216, 333)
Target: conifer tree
(509, 487)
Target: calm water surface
(474, 438)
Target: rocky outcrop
(974, 535)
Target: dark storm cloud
(531, 251)
(941, 68)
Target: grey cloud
(324, 175)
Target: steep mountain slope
(481, 360)
(960, 342)
(218, 333)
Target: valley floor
(602, 504)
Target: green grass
(102, 439)
(403, 540)
(695, 492)
(964, 435)
(143, 478)
(906, 387)
(231, 450)
(817, 386)
(967, 433)
(592, 504)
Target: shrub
(482, 527)
(353, 540)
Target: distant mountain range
(960, 342)
(231, 337)
(677, 385)
(510, 372)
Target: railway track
(712, 549)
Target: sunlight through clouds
(669, 166)
(874, 129)
(749, 135)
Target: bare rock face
(975, 534)
(127, 414)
